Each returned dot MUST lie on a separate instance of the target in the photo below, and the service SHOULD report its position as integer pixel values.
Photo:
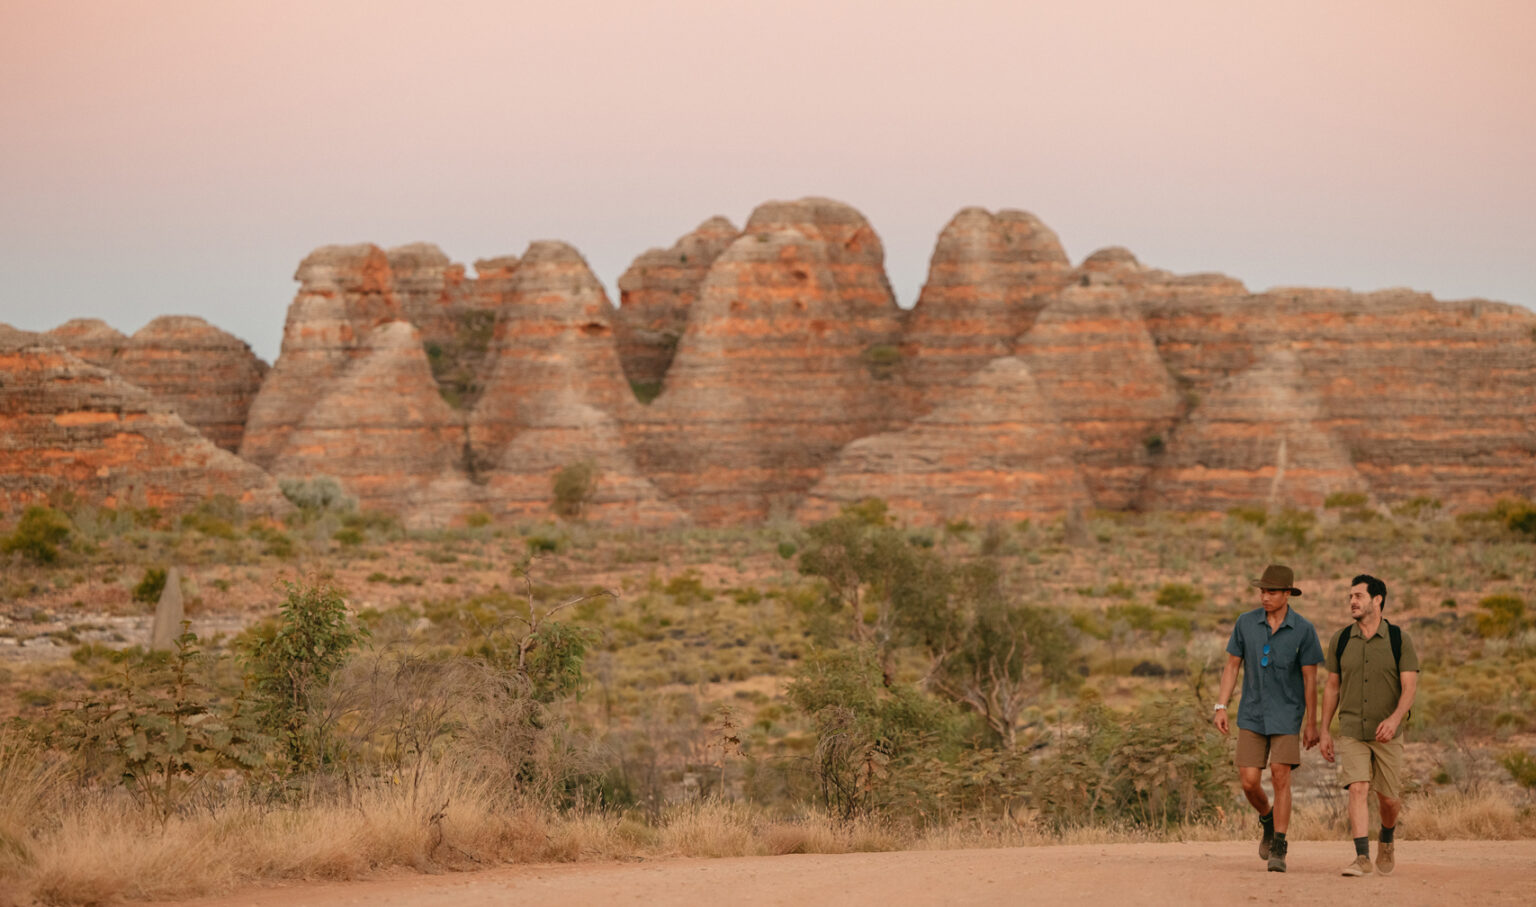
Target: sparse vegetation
(857, 684)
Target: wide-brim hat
(1277, 576)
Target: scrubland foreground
(349, 699)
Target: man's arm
(1388, 728)
(1309, 735)
(1330, 705)
(1228, 682)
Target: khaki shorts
(1255, 750)
(1366, 760)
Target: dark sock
(1386, 834)
(1268, 818)
(1280, 842)
(1363, 846)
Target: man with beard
(1373, 673)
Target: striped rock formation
(1259, 438)
(777, 369)
(344, 293)
(208, 376)
(69, 426)
(989, 277)
(1095, 361)
(381, 428)
(554, 397)
(996, 452)
(656, 294)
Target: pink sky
(182, 157)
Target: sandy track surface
(1429, 872)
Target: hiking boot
(1277, 856)
(1360, 867)
(1384, 862)
(1268, 840)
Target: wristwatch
(1220, 707)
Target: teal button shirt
(1274, 697)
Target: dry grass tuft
(709, 828)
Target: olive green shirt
(1369, 684)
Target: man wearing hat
(1278, 652)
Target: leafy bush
(1517, 514)
(572, 487)
(321, 494)
(38, 535)
(1521, 767)
(1345, 500)
(1504, 618)
(162, 731)
(1179, 595)
(149, 588)
(1157, 767)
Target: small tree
(163, 731)
(292, 662)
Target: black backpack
(1393, 633)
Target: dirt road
(1429, 873)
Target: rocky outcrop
(1259, 438)
(1095, 361)
(656, 294)
(555, 396)
(380, 427)
(996, 452)
(208, 376)
(1433, 399)
(780, 366)
(989, 277)
(344, 293)
(67, 426)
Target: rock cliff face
(1018, 386)
(995, 452)
(1095, 361)
(67, 425)
(208, 376)
(344, 293)
(778, 368)
(555, 396)
(656, 295)
(989, 277)
(380, 427)
(1259, 438)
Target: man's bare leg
(1280, 774)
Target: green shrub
(38, 535)
(1504, 618)
(539, 543)
(291, 661)
(1179, 595)
(572, 487)
(149, 588)
(1517, 515)
(1521, 767)
(320, 494)
(162, 731)
(1345, 500)
(1416, 508)
(1257, 516)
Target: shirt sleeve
(1331, 654)
(1235, 642)
(1311, 649)
(1410, 659)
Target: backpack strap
(1394, 633)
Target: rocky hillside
(767, 372)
